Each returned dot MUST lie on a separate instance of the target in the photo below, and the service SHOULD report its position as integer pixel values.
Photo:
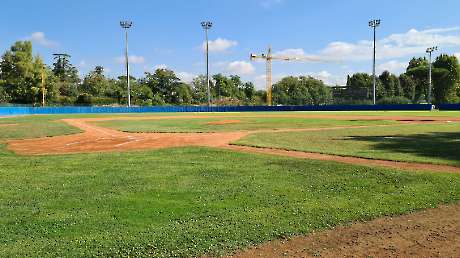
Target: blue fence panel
(449, 106)
(8, 111)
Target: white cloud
(219, 45)
(457, 55)
(412, 42)
(324, 76)
(240, 67)
(392, 66)
(160, 66)
(40, 38)
(328, 78)
(133, 59)
(186, 77)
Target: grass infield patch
(218, 124)
(423, 143)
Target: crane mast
(268, 57)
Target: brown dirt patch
(224, 122)
(348, 160)
(429, 233)
(101, 139)
(6, 125)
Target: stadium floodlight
(207, 25)
(126, 25)
(430, 50)
(374, 24)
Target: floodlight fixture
(430, 50)
(207, 25)
(374, 24)
(126, 25)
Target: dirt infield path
(6, 125)
(100, 139)
(348, 160)
(429, 233)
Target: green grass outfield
(256, 121)
(243, 124)
(424, 143)
(49, 125)
(191, 201)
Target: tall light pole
(206, 26)
(374, 24)
(430, 50)
(126, 25)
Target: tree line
(21, 76)
(412, 86)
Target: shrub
(84, 99)
(65, 100)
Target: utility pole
(207, 25)
(126, 25)
(43, 86)
(374, 24)
(430, 50)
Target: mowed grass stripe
(191, 201)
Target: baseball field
(306, 184)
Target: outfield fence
(6, 111)
(448, 106)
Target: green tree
(68, 76)
(141, 95)
(360, 80)
(95, 83)
(418, 71)
(446, 75)
(408, 86)
(301, 91)
(249, 92)
(417, 62)
(390, 85)
(200, 90)
(260, 97)
(21, 74)
(183, 94)
(163, 83)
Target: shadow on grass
(438, 145)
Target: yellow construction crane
(269, 57)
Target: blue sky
(168, 34)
